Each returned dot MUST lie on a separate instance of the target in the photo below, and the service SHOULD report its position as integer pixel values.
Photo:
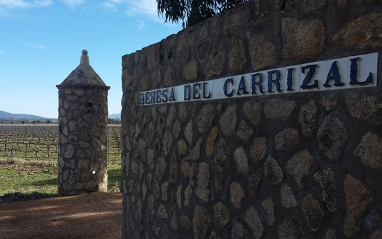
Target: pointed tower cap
(83, 76)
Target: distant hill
(6, 115)
(115, 116)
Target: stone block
(356, 205)
(262, 51)
(236, 194)
(203, 175)
(258, 149)
(187, 170)
(195, 152)
(200, 222)
(287, 139)
(299, 165)
(167, 143)
(215, 64)
(241, 161)
(228, 120)
(312, 212)
(244, 131)
(179, 196)
(279, 109)
(364, 107)
(302, 39)
(273, 172)
(332, 137)
(289, 229)
(190, 71)
(203, 50)
(185, 222)
(187, 196)
(160, 168)
(287, 197)
(313, 5)
(269, 208)
(329, 102)
(308, 118)
(221, 214)
(254, 222)
(205, 117)
(188, 132)
(254, 182)
(182, 53)
(234, 23)
(360, 33)
(369, 151)
(219, 179)
(342, 3)
(238, 231)
(252, 111)
(210, 147)
(237, 59)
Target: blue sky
(41, 43)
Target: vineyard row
(40, 141)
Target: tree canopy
(192, 12)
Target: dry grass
(18, 161)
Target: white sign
(343, 73)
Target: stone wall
(304, 165)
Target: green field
(38, 176)
(28, 159)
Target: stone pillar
(83, 115)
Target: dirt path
(96, 215)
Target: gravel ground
(95, 215)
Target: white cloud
(43, 3)
(73, 3)
(145, 7)
(35, 45)
(110, 6)
(24, 4)
(145, 10)
(14, 3)
(141, 25)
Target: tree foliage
(192, 12)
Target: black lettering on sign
(147, 101)
(159, 99)
(275, 80)
(205, 89)
(152, 96)
(290, 79)
(165, 95)
(258, 83)
(172, 95)
(196, 91)
(141, 98)
(333, 74)
(308, 78)
(354, 74)
(187, 92)
(242, 89)
(225, 87)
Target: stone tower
(83, 115)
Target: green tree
(192, 12)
